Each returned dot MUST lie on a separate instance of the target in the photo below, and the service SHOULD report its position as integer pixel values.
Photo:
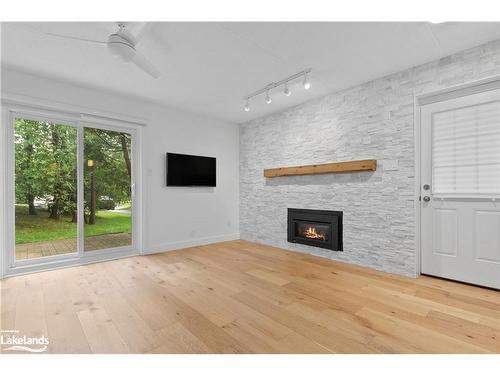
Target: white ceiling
(207, 68)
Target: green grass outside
(40, 228)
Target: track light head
(306, 83)
(287, 91)
(247, 106)
(268, 98)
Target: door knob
(427, 198)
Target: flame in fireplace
(311, 233)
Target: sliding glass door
(108, 189)
(73, 190)
(46, 220)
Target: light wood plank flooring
(240, 297)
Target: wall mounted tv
(190, 170)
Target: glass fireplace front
(313, 231)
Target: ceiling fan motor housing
(121, 47)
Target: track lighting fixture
(267, 89)
(268, 98)
(287, 91)
(306, 83)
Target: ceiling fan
(122, 44)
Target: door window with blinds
(466, 150)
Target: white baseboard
(169, 246)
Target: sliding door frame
(135, 167)
(10, 247)
(9, 265)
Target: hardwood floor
(240, 297)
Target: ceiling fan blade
(145, 65)
(76, 38)
(140, 29)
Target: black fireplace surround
(318, 228)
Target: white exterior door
(460, 188)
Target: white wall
(173, 217)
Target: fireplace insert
(318, 228)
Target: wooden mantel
(339, 167)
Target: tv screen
(190, 170)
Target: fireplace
(318, 228)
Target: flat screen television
(190, 170)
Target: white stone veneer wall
(372, 120)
